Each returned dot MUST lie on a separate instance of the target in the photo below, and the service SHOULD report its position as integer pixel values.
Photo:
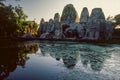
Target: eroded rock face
(46, 25)
(76, 30)
(69, 15)
(97, 13)
(93, 30)
(41, 27)
(46, 29)
(109, 30)
(50, 27)
(95, 25)
(80, 30)
(57, 26)
(57, 17)
(46, 36)
(28, 35)
(84, 15)
(57, 31)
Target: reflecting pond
(45, 60)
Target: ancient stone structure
(68, 19)
(49, 30)
(76, 30)
(97, 26)
(57, 26)
(93, 27)
(50, 27)
(46, 36)
(84, 15)
(80, 30)
(40, 29)
(57, 17)
(69, 15)
(28, 35)
(109, 30)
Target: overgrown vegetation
(116, 23)
(13, 21)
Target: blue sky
(47, 8)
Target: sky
(37, 9)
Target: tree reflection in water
(11, 57)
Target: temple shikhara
(92, 26)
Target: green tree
(7, 21)
(20, 19)
(13, 21)
(117, 19)
(117, 23)
(32, 27)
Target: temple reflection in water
(70, 55)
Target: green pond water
(45, 60)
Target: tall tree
(7, 20)
(11, 20)
(20, 19)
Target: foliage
(110, 18)
(20, 19)
(13, 21)
(116, 22)
(117, 19)
(116, 32)
(30, 27)
(7, 21)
